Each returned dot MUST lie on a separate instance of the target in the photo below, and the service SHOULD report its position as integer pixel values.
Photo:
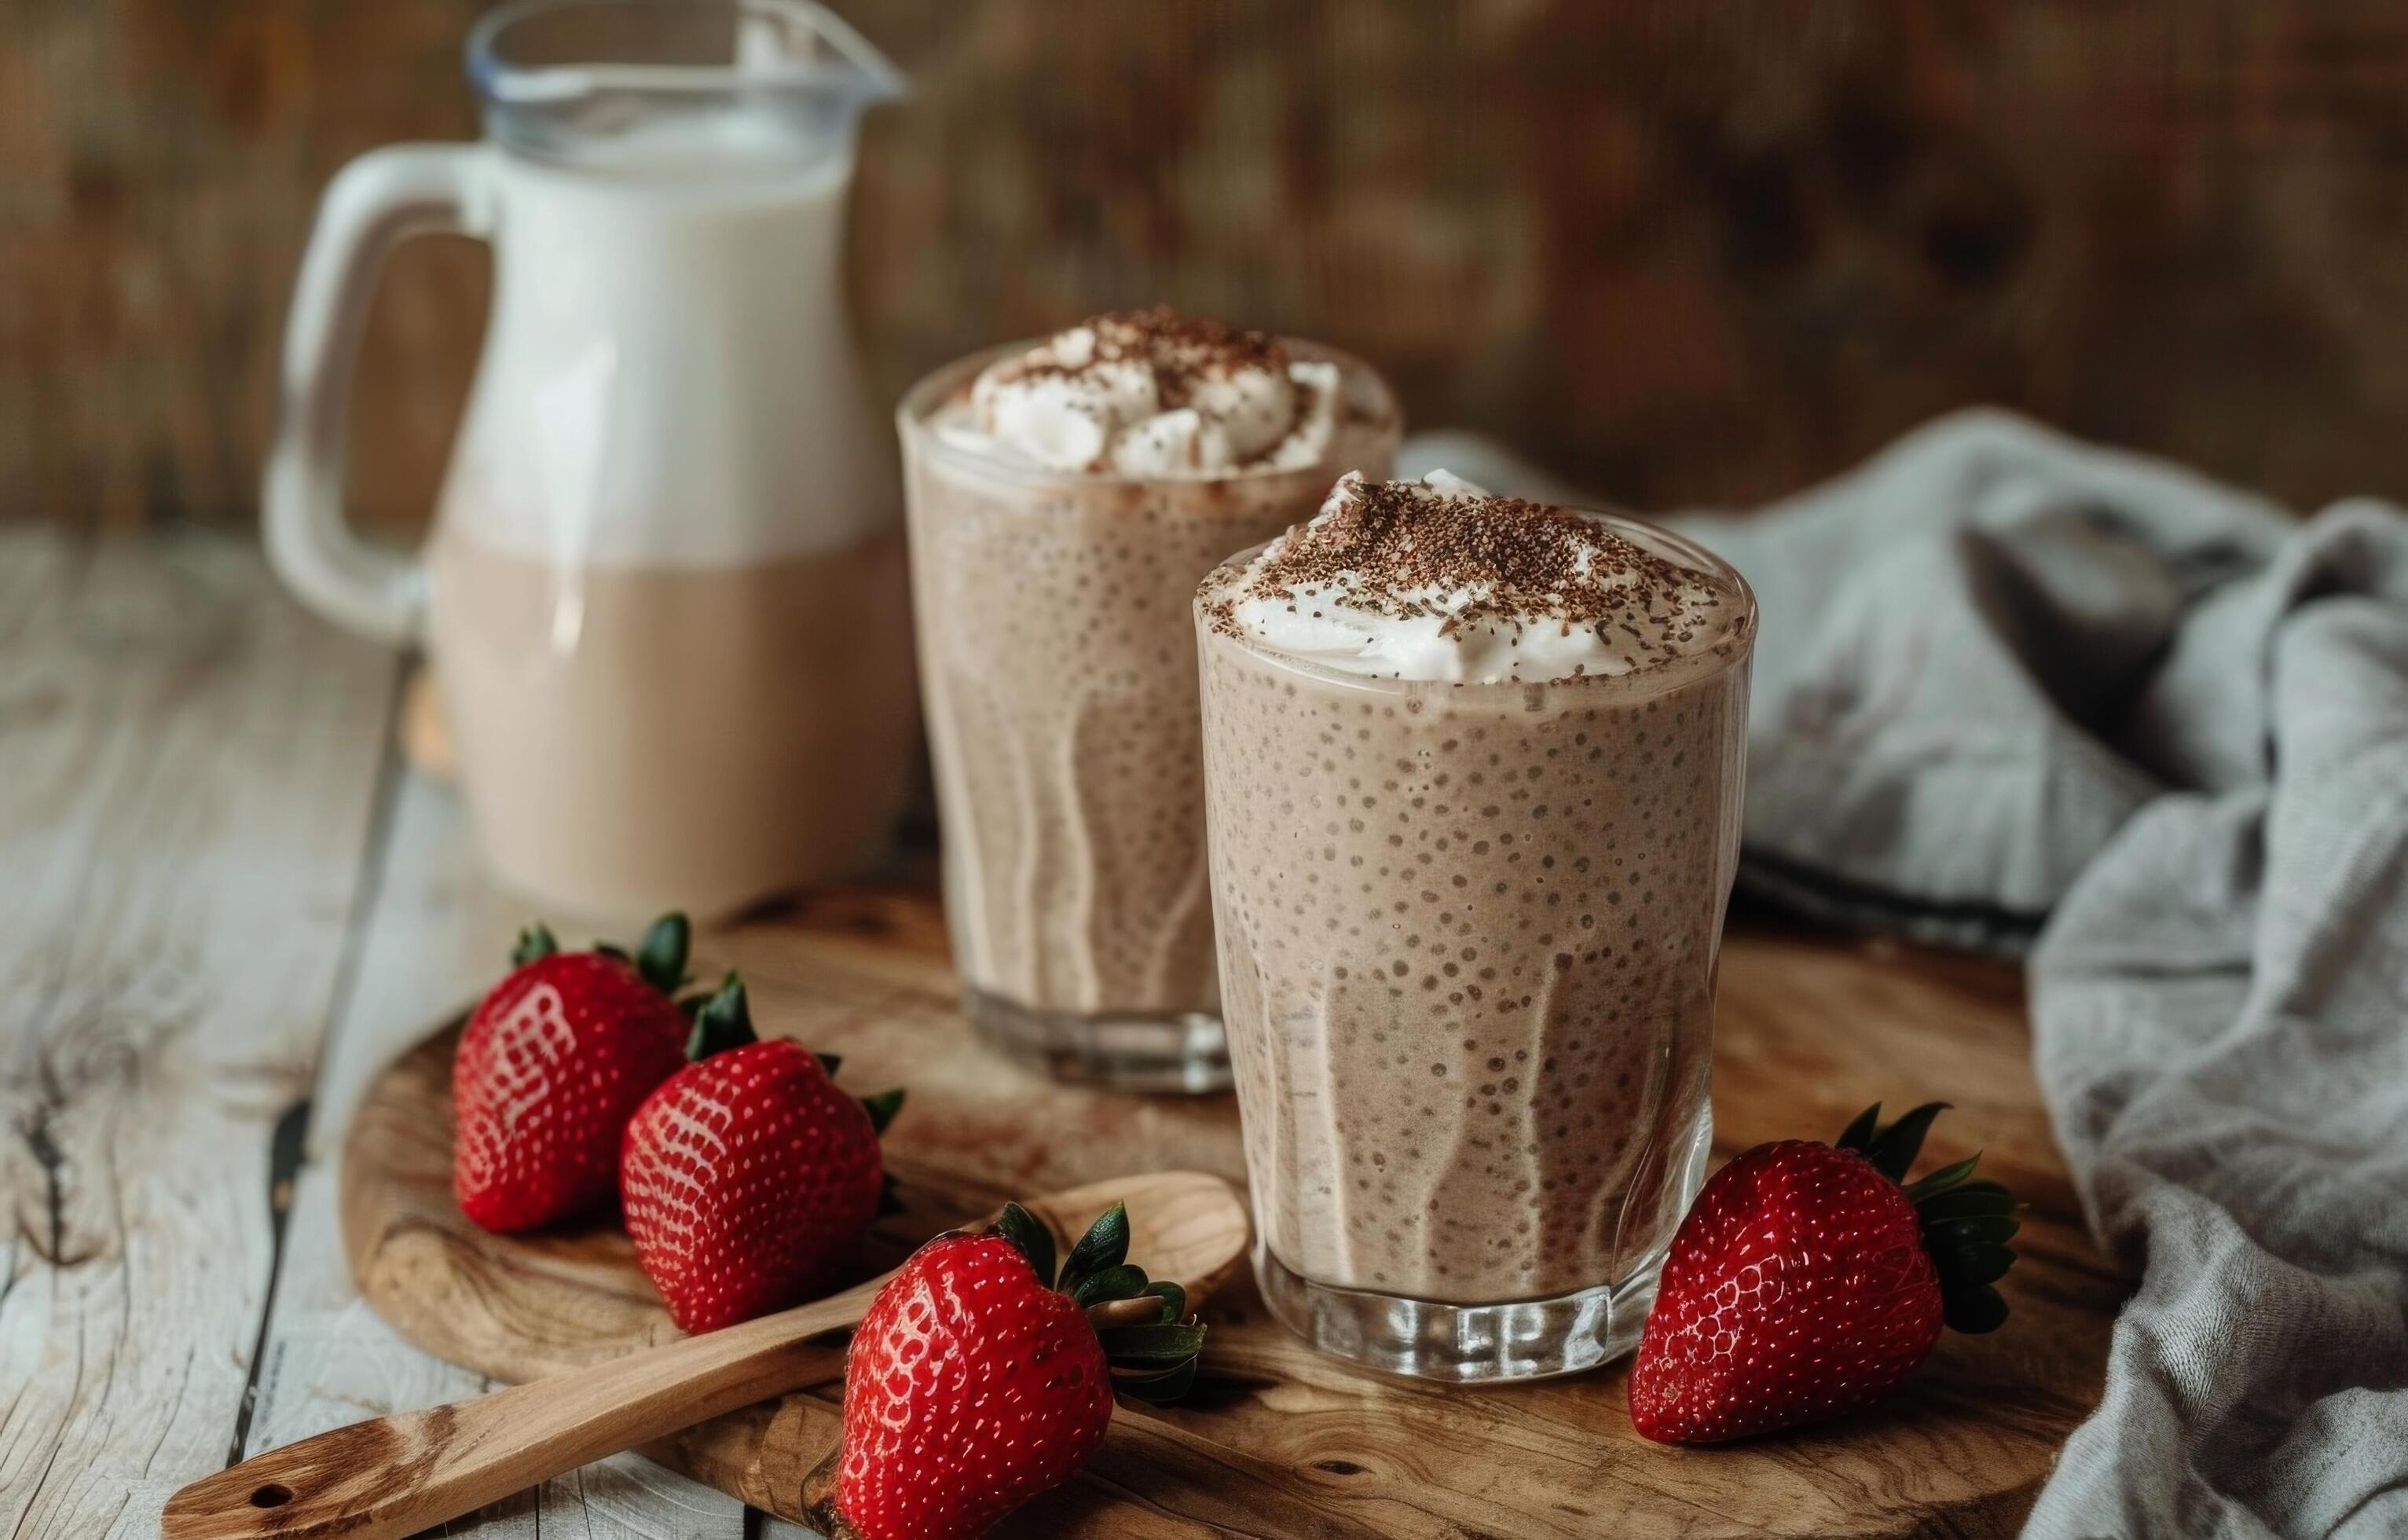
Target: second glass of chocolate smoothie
(1473, 770)
(1064, 499)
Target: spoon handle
(393, 1476)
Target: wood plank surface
(1278, 1441)
(432, 927)
(188, 768)
(196, 875)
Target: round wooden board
(1277, 1440)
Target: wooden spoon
(392, 1476)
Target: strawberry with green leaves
(551, 1064)
(748, 1178)
(980, 1378)
(1809, 1279)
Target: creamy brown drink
(636, 737)
(1064, 501)
(1473, 772)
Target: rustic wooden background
(1684, 252)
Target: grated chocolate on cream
(1437, 579)
(1181, 350)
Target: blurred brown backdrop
(1684, 252)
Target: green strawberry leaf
(1174, 1301)
(829, 1064)
(1972, 1308)
(881, 1108)
(1126, 1281)
(535, 942)
(1944, 1180)
(1142, 1347)
(725, 1022)
(661, 958)
(1105, 1245)
(1894, 1149)
(1029, 1237)
(612, 950)
(1859, 1135)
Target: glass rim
(1655, 679)
(502, 83)
(919, 405)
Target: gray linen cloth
(2019, 692)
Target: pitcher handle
(373, 204)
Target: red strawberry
(973, 1384)
(1806, 1282)
(550, 1066)
(747, 1177)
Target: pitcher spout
(851, 68)
(606, 83)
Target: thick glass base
(1461, 1343)
(1121, 1050)
(1484, 1344)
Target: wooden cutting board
(1278, 1441)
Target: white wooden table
(223, 904)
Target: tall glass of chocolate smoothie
(1472, 767)
(1064, 500)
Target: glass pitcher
(665, 592)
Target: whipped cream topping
(1151, 394)
(1437, 580)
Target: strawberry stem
(1124, 1281)
(1137, 1310)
